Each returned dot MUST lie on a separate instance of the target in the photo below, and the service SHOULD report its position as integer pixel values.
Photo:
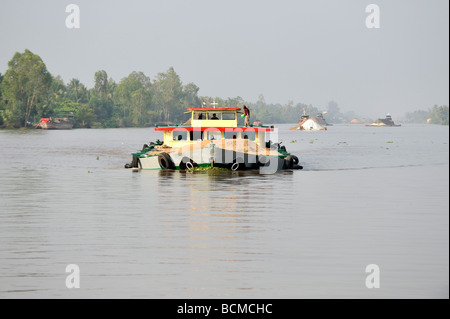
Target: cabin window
(228, 116)
(214, 116)
(214, 135)
(200, 116)
(231, 135)
(180, 135)
(249, 135)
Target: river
(366, 196)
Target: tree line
(435, 115)
(29, 92)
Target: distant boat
(356, 121)
(384, 122)
(61, 121)
(311, 123)
(319, 118)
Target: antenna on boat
(214, 104)
(203, 104)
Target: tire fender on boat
(135, 162)
(165, 161)
(289, 162)
(263, 160)
(187, 163)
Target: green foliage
(29, 92)
(439, 115)
(101, 84)
(102, 107)
(2, 105)
(333, 114)
(419, 117)
(77, 92)
(190, 96)
(167, 95)
(135, 101)
(262, 111)
(84, 116)
(133, 98)
(207, 169)
(25, 87)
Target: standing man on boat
(247, 116)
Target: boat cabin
(212, 124)
(212, 117)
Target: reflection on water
(162, 234)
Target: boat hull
(64, 126)
(234, 160)
(57, 124)
(201, 157)
(213, 156)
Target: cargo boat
(213, 138)
(61, 121)
(384, 122)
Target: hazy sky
(309, 51)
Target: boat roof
(211, 128)
(210, 109)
